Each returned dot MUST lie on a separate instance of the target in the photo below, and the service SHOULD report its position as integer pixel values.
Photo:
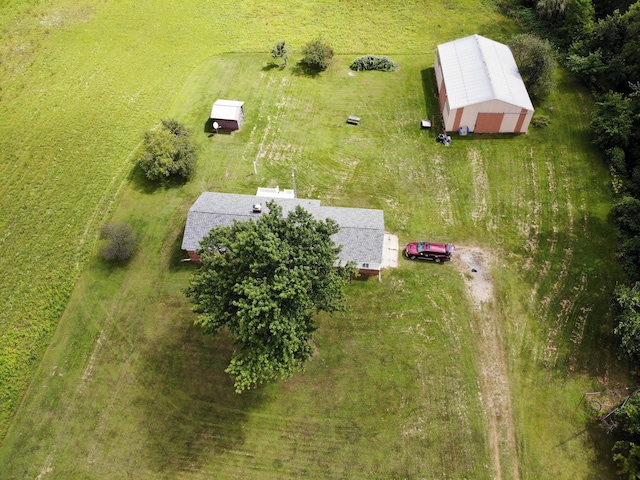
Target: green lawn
(81, 80)
(129, 387)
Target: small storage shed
(480, 88)
(228, 114)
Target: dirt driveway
(475, 265)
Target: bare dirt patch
(475, 264)
(46, 469)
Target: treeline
(599, 42)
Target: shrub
(540, 121)
(120, 241)
(374, 62)
(168, 151)
(317, 54)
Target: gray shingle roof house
(361, 230)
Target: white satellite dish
(216, 126)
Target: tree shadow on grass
(272, 66)
(301, 69)
(176, 256)
(602, 465)
(141, 183)
(189, 406)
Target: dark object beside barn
(444, 139)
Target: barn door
(488, 122)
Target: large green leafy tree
(262, 281)
(597, 58)
(627, 306)
(626, 451)
(612, 121)
(534, 57)
(317, 55)
(168, 151)
(631, 48)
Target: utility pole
(293, 176)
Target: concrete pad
(390, 250)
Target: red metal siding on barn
(456, 122)
(488, 122)
(523, 115)
(443, 96)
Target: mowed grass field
(129, 387)
(80, 81)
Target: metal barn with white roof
(480, 88)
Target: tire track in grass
(567, 305)
(578, 329)
(108, 199)
(533, 243)
(271, 131)
(480, 189)
(495, 389)
(101, 342)
(446, 391)
(47, 468)
(272, 150)
(529, 228)
(443, 197)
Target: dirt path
(474, 264)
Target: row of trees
(316, 55)
(600, 44)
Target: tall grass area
(80, 81)
(129, 387)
